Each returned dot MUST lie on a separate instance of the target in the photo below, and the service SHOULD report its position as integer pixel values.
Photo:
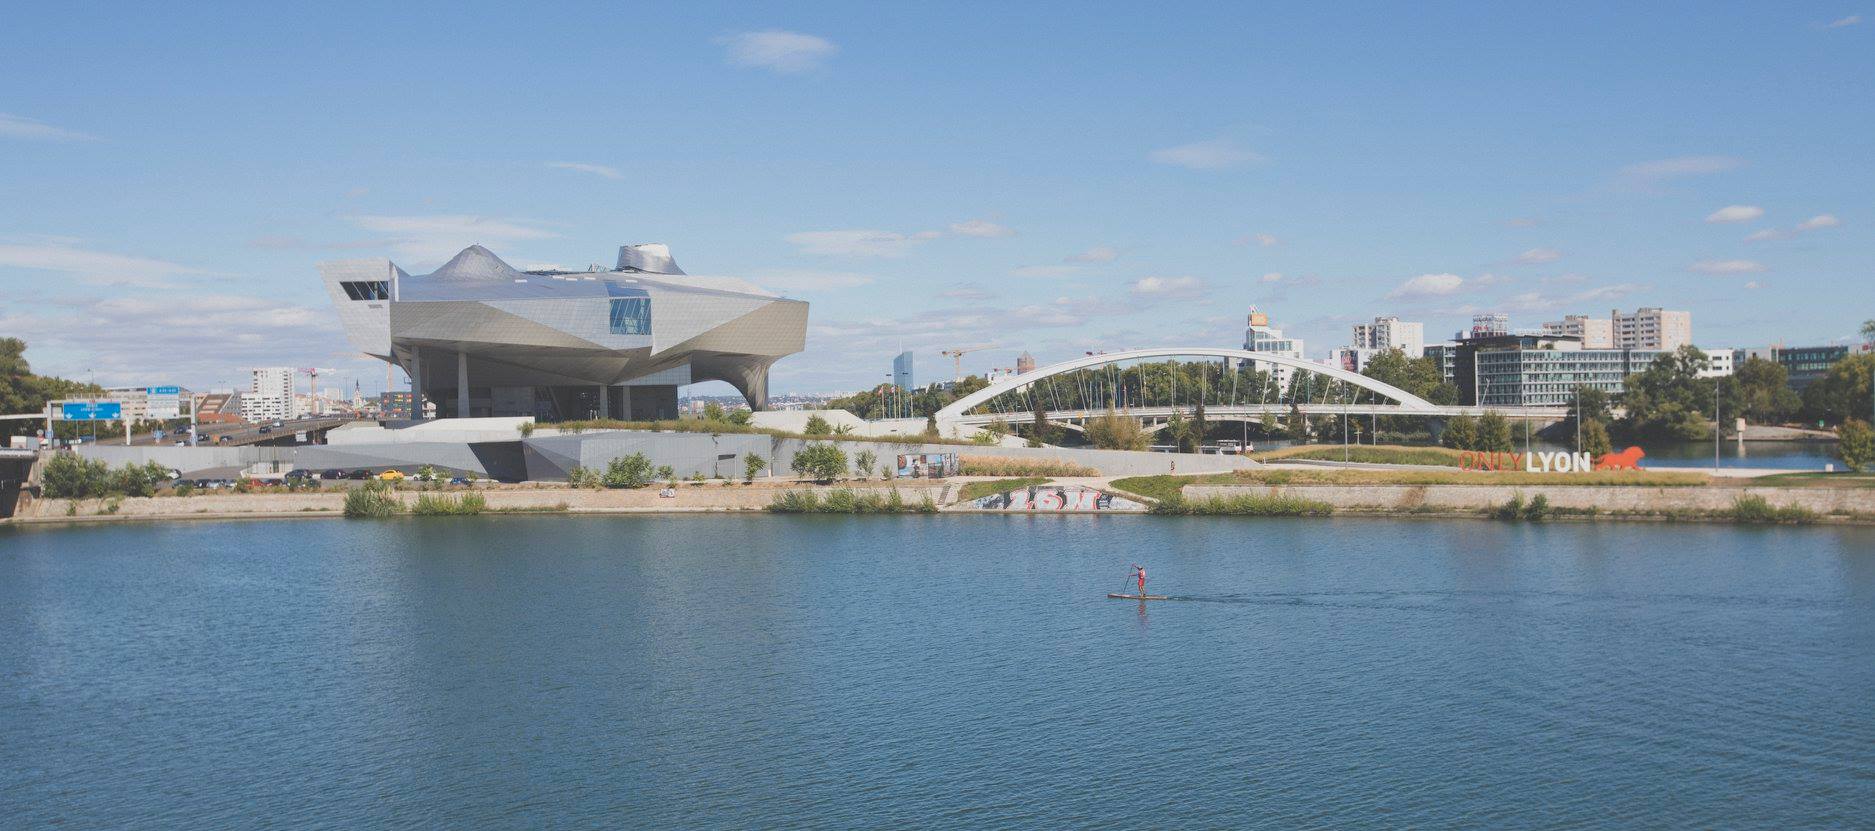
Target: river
(935, 671)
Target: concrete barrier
(1606, 499)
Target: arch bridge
(1145, 384)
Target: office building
(902, 371)
(1805, 364)
(478, 337)
(1719, 363)
(1260, 336)
(269, 395)
(1652, 328)
(1539, 370)
(1025, 364)
(1594, 332)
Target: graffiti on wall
(1056, 498)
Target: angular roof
(475, 265)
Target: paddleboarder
(1139, 573)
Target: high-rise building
(1260, 336)
(1595, 332)
(1490, 325)
(1025, 364)
(901, 371)
(270, 395)
(1652, 328)
(1540, 370)
(1391, 333)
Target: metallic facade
(479, 337)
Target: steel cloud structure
(1409, 404)
(488, 339)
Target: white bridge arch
(958, 412)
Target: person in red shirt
(1139, 572)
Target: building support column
(605, 401)
(462, 384)
(416, 383)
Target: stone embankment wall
(1614, 499)
(327, 503)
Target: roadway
(1157, 416)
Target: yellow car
(392, 475)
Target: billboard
(91, 410)
(926, 465)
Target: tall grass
(848, 501)
(436, 504)
(1753, 508)
(978, 490)
(372, 501)
(1014, 466)
(1384, 454)
(1247, 504)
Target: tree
(930, 426)
(1668, 399)
(820, 462)
(751, 465)
(1868, 332)
(1855, 445)
(817, 426)
(1842, 393)
(1199, 427)
(1494, 434)
(1039, 428)
(1178, 432)
(741, 417)
(1267, 424)
(865, 461)
(1115, 431)
(23, 392)
(1763, 393)
(1595, 439)
(712, 411)
(1590, 404)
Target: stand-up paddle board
(1139, 597)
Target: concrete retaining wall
(1615, 499)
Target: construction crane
(957, 356)
(313, 385)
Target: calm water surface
(949, 672)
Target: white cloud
(1271, 277)
(1839, 23)
(1427, 285)
(1648, 176)
(1488, 279)
(1097, 254)
(1767, 234)
(1818, 221)
(778, 51)
(20, 127)
(801, 279)
(1735, 213)
(1168, 287)
(1539, 255)
(858, 242)
(965, 291)
(437, 237)
(1754, 284)
(1604, 294)
(1215, 154)
(594, 169)
(1045, 271)
(134, 338)
(1726, 267)
(980, 228)
(95, 267)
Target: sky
(1054, 178)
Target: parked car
(300, 475)
(461, 480)
(264, 430)
(278, 423)
(333, 473)
(392, 475)
(360, 473)
(181, 443)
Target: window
(631, 316)
(367, 289)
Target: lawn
(1385, 454)
(978, 490)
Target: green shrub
(1511, 510)
(847, 501)
(751, 465)
(71, 476)
(817, 426)
(819, 461)
(371, 501)
(1756, 509)
(632, 471)
(795, 502)
(1538, 509)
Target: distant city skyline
(929, 182)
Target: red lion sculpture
(1629, 459)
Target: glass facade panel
(367, 289)
(631, 316)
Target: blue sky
(1052, 177)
